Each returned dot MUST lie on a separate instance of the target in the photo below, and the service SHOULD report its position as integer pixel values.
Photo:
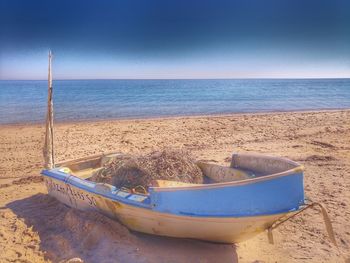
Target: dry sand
(36, 228)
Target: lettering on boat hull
(71, 196)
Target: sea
(25, 101)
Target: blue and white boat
(243, 199)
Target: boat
(237, 206)
(254, 193)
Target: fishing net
(133, 171)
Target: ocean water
(25, 101)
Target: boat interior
(242, 167)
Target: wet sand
(36, 228)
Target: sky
(131, 39)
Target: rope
(326, 220)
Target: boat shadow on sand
(68, 233)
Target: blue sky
(175, 39)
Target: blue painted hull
(278, 195)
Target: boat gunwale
(130, 204)
(72, 161)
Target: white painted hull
(216, 229)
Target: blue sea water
(25, 101)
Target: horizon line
(246, 78)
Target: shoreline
(172, 117)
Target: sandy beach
(36, 228)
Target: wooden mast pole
(49, 135)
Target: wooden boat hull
(215, 229)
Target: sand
(36, 228)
